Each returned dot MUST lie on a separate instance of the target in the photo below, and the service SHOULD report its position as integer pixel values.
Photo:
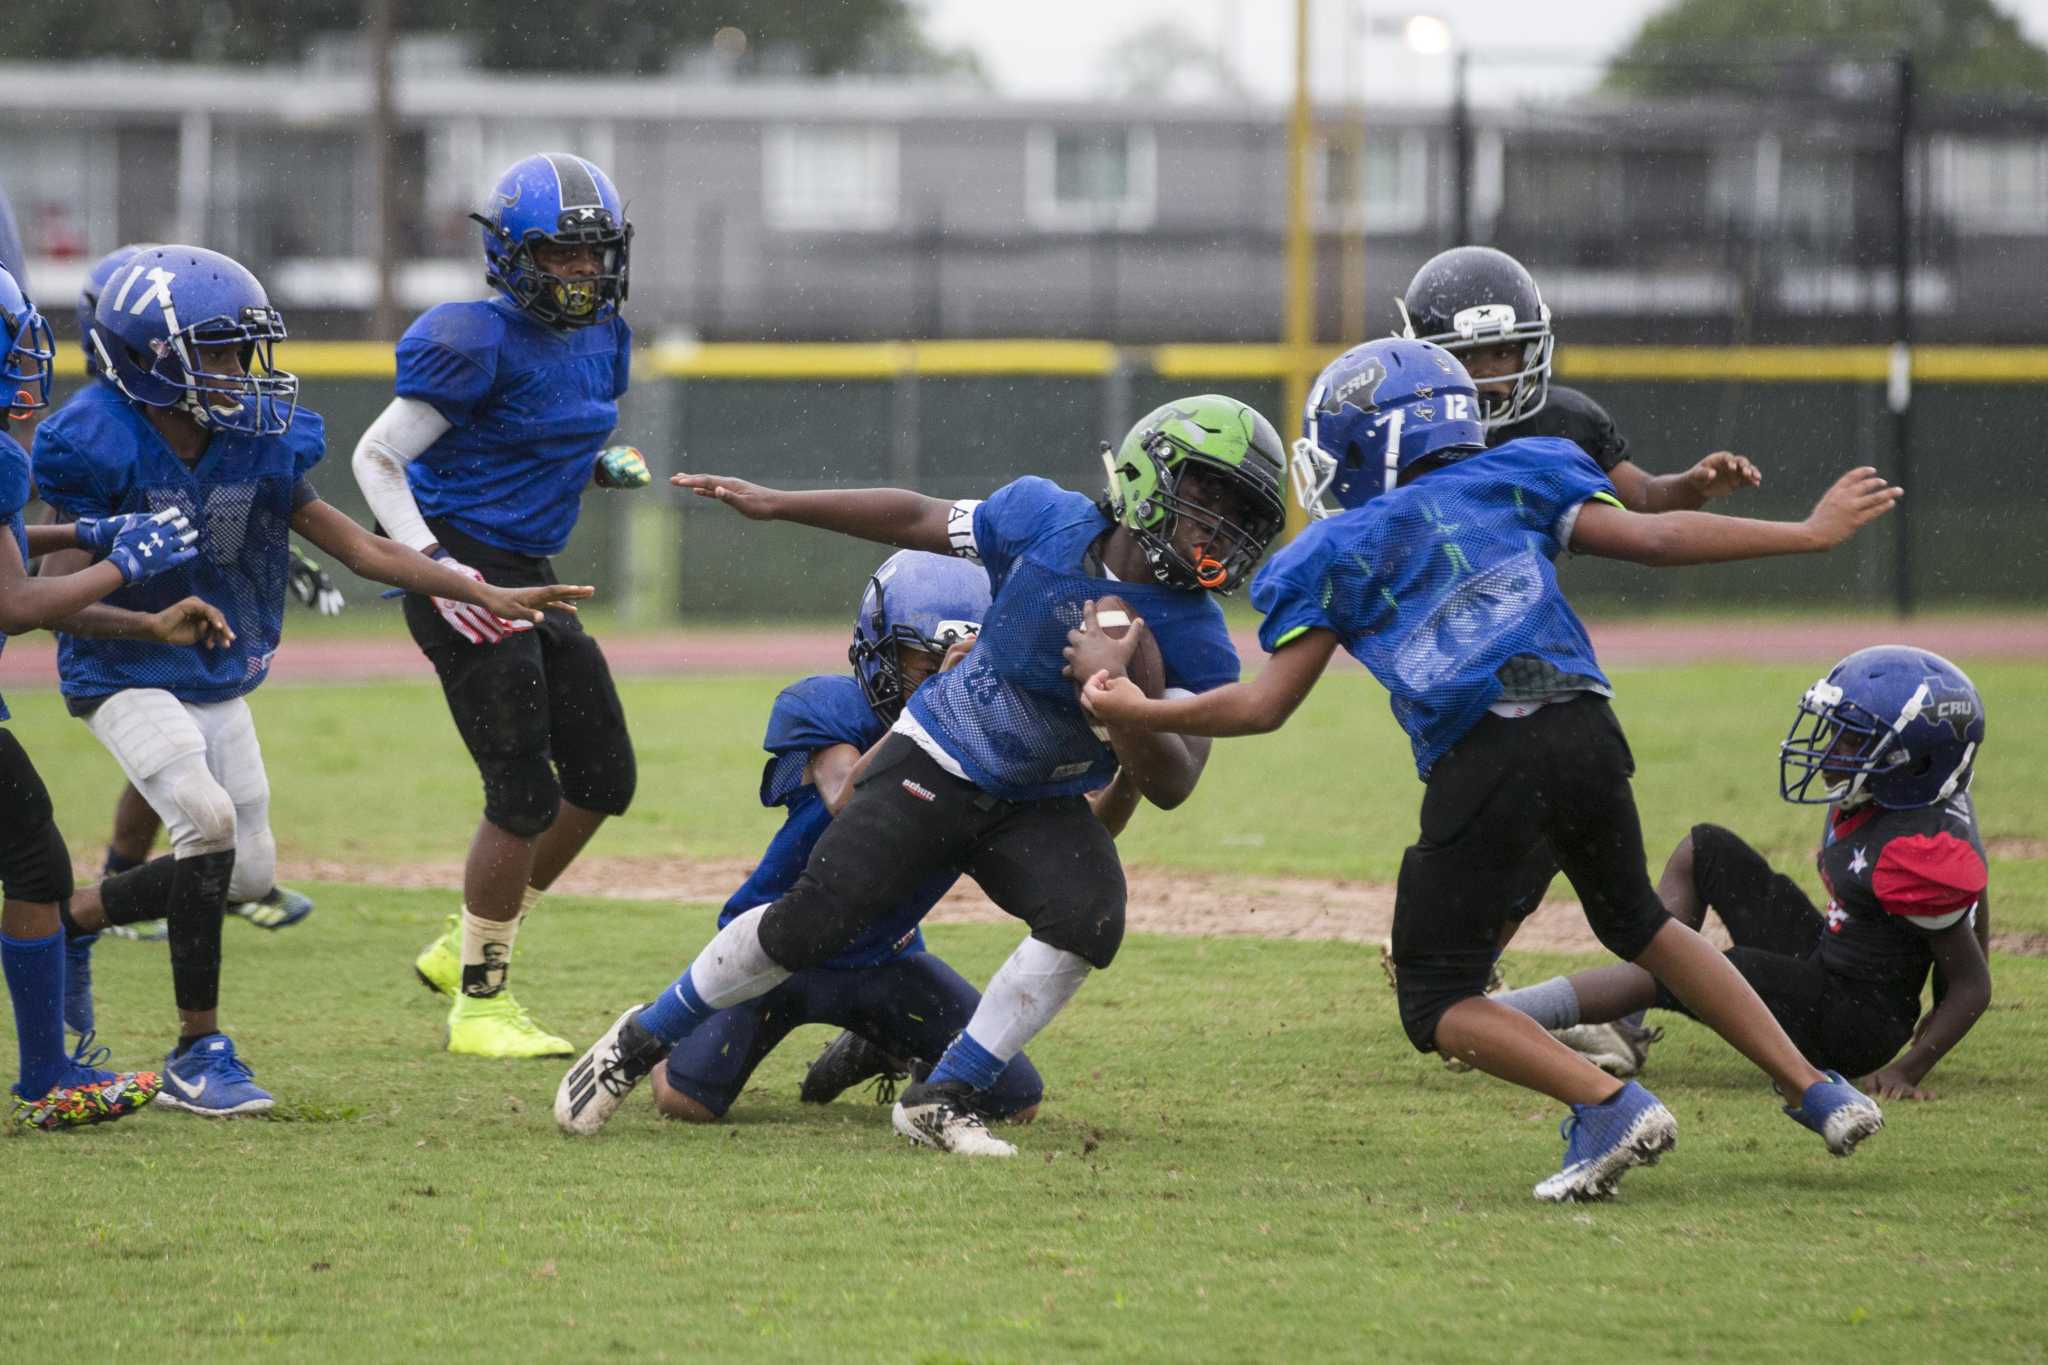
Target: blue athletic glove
(149, 545)
(621, 467)
(96, 534)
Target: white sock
(486, 953)
(734, 967)
(528, 900)
(1024, 995)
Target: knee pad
(1427, 986)
(1092, 929)
(208, 814)
(809, 926)
(38, 866)
(255, 866)
(602, 783)
(521, 795)
(1628, 934)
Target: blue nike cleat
(1838, 1111)
(209, 1079)
(78, 983)
(1602, 1141)
(278, 908)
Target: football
(1113, 616)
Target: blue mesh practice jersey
(1007, 714)
(14, 486)
(1440, 583)
(530, 408)
(99, 456)
(815, 714)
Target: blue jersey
(1007, 714)
(529, 408)
(99, 456)
(1439, 584)
(14, 485)
(815, 714)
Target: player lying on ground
(194, 415)
(481, 461)
(55, 1088)
(984, 771)
(1482, 306)
(1893, 734)
(136, 826)
(900, 1004)
(1437, 576)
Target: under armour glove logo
(146, 545)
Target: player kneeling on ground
(57, 1089)
(984, 771)
(1893, 734)
(195, 416)
(900, 1004)
(1437, 574)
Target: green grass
(1240, 1156)
(1333, 794)
(1240, 1159)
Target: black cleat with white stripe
(602, 1077)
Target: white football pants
(201, 770)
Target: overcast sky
(1057, 47)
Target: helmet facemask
(563, 301)
(1190, 494)
(1837, 741)
(261, 400)
(1493, 324)
(26, 368)
(876, 653)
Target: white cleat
(943, 1116)
(1602, 1045)
(602, 1077)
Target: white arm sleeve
(400, 435)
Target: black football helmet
(1472, 297)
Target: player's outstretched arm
(889, 516)
(1258, 707)
(1966, 974)
(138, 546)
(401, 566)
(1671, 539)
(1716, 476)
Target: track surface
(31, 662)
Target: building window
(1371, 179)
(1091, 178)
(1992, 185)
(824, 178)
(62, 184)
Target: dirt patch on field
(1162, 900)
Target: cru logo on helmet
(1376, 411)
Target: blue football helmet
(1376, 411)
(1891, 724)
(563, 199)
(25, 366)
(916, 600)
(89, 296)
(168, 303)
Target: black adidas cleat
(847, 1061)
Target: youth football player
(196, 416)
(1437, 575)
(481, 460)
(1892, 736)
(983, 772)
(900, 1003)
(56, 1088)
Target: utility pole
(1461, 149)
(1300, 304)
(383, 133)
(1899, 388)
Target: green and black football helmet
(1213, 462)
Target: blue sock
(674, 1012)
(967, 1060)
(1635, 1020)
(35, 982)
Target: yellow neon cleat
(496, 1026)
(439, 965)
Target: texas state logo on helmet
(1375, 411)
(89, 296)
(25, 368)
(1208, 436)
(1472, 297)
(1891, 724)
(561, 199)
(918, 601)
(160, 314)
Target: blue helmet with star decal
(1376, 411)
(916, 600)
(1891, 724)
(560, 199)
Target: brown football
(1147, 670)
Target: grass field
(1240, 1157)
